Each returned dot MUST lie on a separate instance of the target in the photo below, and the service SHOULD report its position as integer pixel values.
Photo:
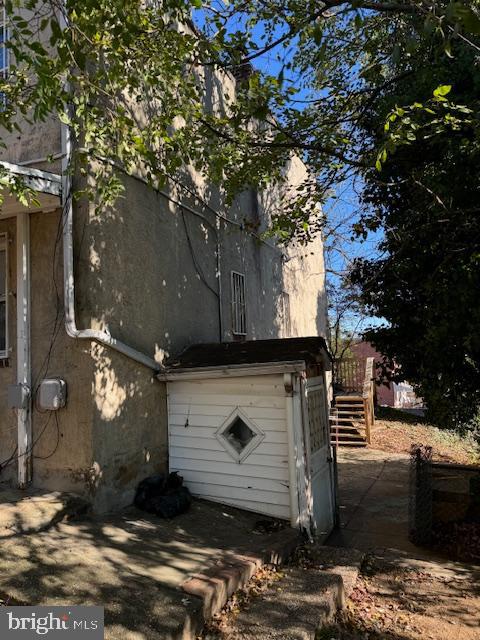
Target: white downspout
(292, 451)
(299, 507)
(24, 415)
(68, 267)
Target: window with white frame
(239, 315)
(3, 297)
(239, 435)
(3, 42)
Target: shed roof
(311, 350)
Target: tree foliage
(426, 199)
(382, 88)
(134, 81)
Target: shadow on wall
(109, 394)
(129, 428)
(155, 276)
(158, 277)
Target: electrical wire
(5, 463)
(194, 259)
(29, 450)
(44, 367)
(57, 442)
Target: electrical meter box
(52, 394)
(18, 396)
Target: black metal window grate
(239, 315)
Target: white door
(320, 454)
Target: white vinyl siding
(197, 409)
(239, 312)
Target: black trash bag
(148, 489)
(173, 504)
(163, 496)
(174, 482)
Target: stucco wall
(152, 274)
(120, 283)
(63, 440)
(33, 142)
(63, 456)
(112, 431)
(149, 274)
(147, 271)
(129, 428)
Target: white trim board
(233, 371)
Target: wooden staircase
(352, 416)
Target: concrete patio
(373, 500)
(157, 579)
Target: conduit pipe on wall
(72, 330)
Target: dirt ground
(392, 602)
(396, 431)
(222, 624)
(394, 598)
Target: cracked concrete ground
(373, 500)
(306, 595)
(133, 564)
(402, 592)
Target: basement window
(239, 436)
(3, 297)
(239, 316)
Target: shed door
(320, 456)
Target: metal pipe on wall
(72, 330)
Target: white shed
(248, 427)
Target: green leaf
(470, 21)
(317, 33)
(442, 90)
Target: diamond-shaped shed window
(239, 435)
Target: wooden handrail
(368, 397)
(357, 376)
(368, 379)
(348, 374)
